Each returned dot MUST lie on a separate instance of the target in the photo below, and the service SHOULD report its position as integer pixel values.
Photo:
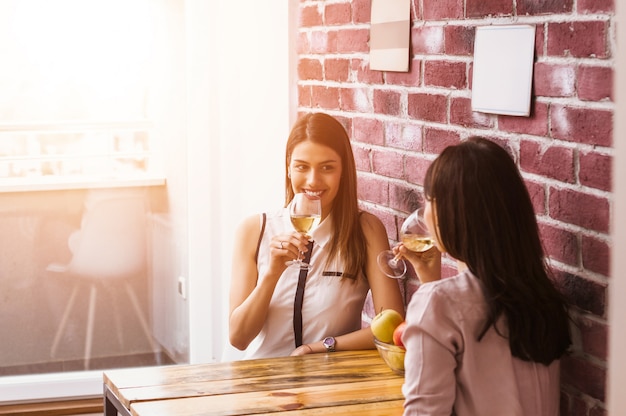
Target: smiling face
(315, 169)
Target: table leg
(112, 405)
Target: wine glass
(305, 212)
(415, 236)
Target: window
(76, 80)
(82, 92)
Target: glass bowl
(393, 355)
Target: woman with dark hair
(318, 162)
(488, 340)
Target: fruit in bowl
(393, 355)
(387, 328)
(384, 323)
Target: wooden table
(340, 383)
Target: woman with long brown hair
(266, 318)
(488, 340)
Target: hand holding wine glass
(414, 235)
(305, 212)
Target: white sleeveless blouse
(332, 305)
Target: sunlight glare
(95, 52)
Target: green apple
(385, 323)
(396, 360)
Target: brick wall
(399, 122)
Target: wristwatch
(329, 344)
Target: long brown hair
(347, 240)
(486, 219)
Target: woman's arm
(385, 291)
(250, 296)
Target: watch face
(329, 343)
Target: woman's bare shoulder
(370, 222)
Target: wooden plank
(386, 408)
(155, 383)
(173, 374)
(259, 402)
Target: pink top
(447, 371)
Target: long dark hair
(347, 241)
(486, 219)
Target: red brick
(427, 40)
(550, 161)
(367, 130)
(387, 102)
(310, 69)
(325, 97)
(595, 409)
(361, 11)
(364, 74)
(405, 198)
(310, 16)
(582, 125)
(560, 245)
(595, 170)
(362, 158)
(483, 8)
(575, 405)
(303, 44)
(574, 207)
(373, 189)
(388, 163)
(534, 7)
(412, 286)
(319, 42)
(411, 78)
(582, 293)
(445, 74)
(595, 6)
(336, 69)
(351, 40)
(443, 9)
(459, 40)
(415, 168)
(435, 140)
(584, 376)
(596, 255)
(337, 14)
(554, 80)
(536, 124)
(595, 83)
(403, 135)
(537, 194)
(356, 99)
(428, 107)
(578, 39)
(539, 40)
(461, 114)
(304, 95)
(347, 124)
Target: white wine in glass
(415, 236)
(306, 213)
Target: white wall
(617, 305)
(238, 122)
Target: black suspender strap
(297, 307)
